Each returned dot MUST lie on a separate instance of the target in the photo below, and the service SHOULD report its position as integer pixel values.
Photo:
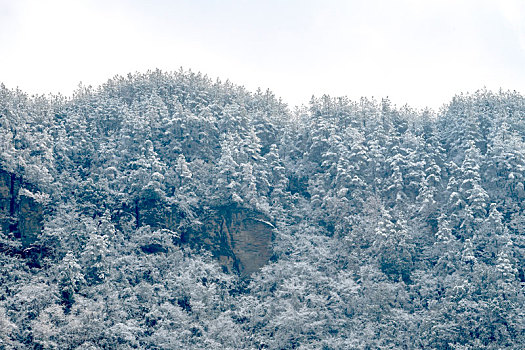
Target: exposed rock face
(30, 217)
(5, 192)
(241, 239)
(6, 201)
(21, 211)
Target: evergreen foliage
(395, 228)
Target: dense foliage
(395, 228)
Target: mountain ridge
(179, 212)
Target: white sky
(419, 52)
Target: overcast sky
(419, 52)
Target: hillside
(170, 211)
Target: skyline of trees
(394, 228)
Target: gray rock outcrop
(21, 210)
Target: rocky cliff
(21, 209)
(6, 200)
(239, 238)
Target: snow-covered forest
(384, 227)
